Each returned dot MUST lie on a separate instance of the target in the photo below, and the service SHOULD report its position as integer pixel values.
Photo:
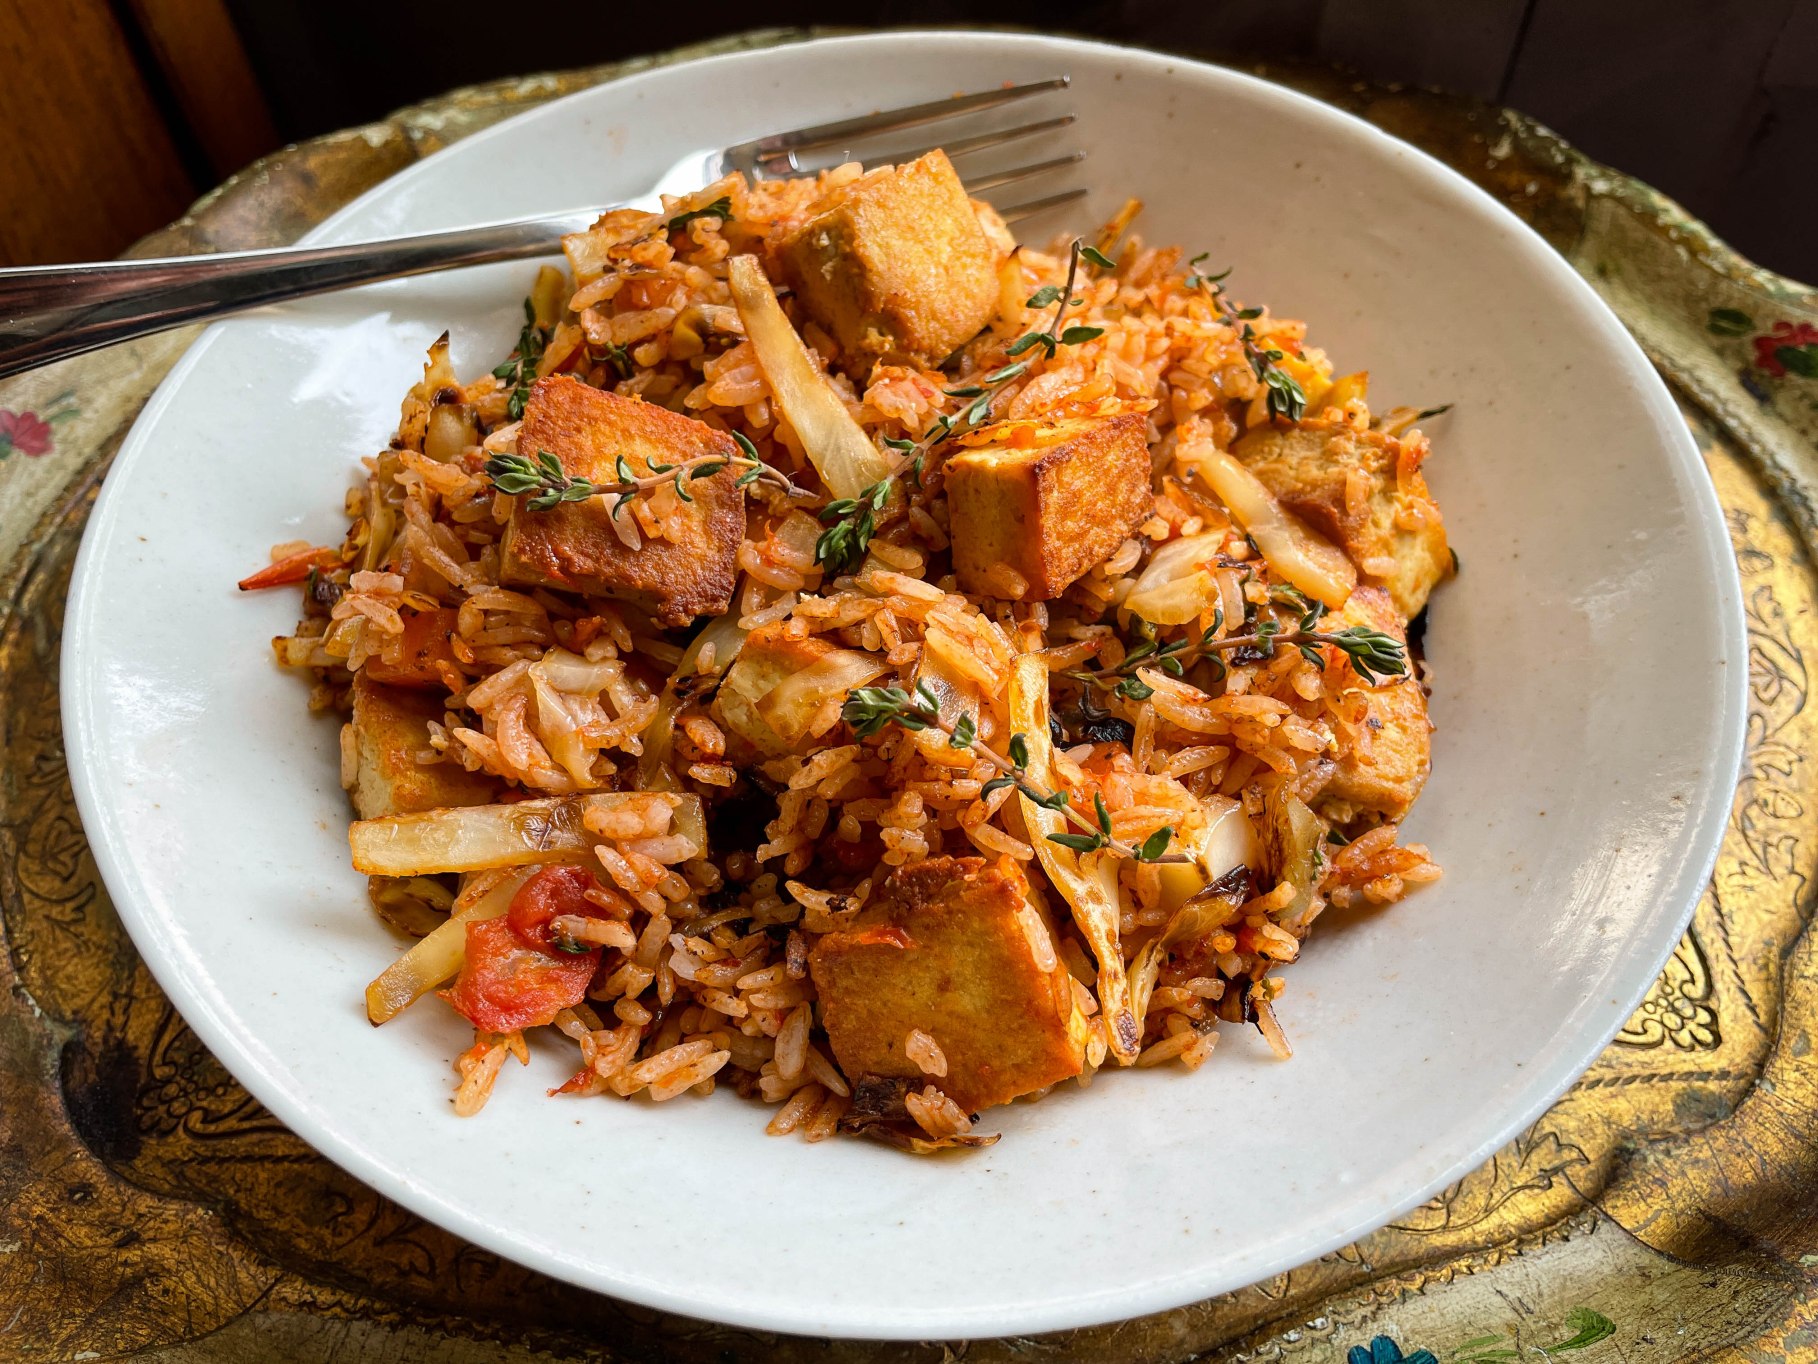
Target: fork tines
(781, 155)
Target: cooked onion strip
(1293, 549)
(837, 446)
(1089, 883)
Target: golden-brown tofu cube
(1032, 512)
(958, 948)
(1364, 490)
(768, 656)
(1392, 747)
(390, 727)
(573, 545)
(895, 265)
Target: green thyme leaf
(1097, 257)
(1074, 336)
(1155, 845)
(1079, 843)
(965, 730)
(1043, 296)
(1019, 751)
(720, 208)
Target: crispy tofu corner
(574, 547)
(1363, 490)
(958, 948)
(390, 726)
(1033, 511)
(1391, 752)
(896, 265)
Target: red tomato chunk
(514, 976)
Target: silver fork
(51, 312)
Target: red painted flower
(25, 432)
(1788, 346)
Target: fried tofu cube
(1392, 748)
(573, 545)
(425, 645)
(390, 727)
(895, 265)
(959, 948)
(768, 656)
(1030, 513)
(1363, 490)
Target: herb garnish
(1062, 297)
(520, 372)
(545, 477)
(1285, 398)
(1374, 654)
(869, 709)
(720, 208)
(852, 521)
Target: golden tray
(1665, 1209)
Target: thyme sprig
(852, 521)
(552, 486)
(868, 710)
(1374, 654)
(1062, 297)
(520, 371)
(1285, 398)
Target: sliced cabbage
(837, 446)
(1178, 583)
(1225, 840)
(806, 704)
(1293, 845)
(437, 955)
(727, 638)
(481, 837)
(1292, 548)
(1088, 883)
(1193, 918)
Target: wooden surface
(114, 118)
(86, 162)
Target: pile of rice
(705, 978)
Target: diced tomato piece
(423, 645)
(505, 986)
(552, 891)
(292, 568)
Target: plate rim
(1704, 832)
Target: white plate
(1590, 677)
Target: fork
(55, 311)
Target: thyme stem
(869, 709)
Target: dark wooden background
(114, 114)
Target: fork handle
(54, 311)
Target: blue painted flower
(1382, 1350)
